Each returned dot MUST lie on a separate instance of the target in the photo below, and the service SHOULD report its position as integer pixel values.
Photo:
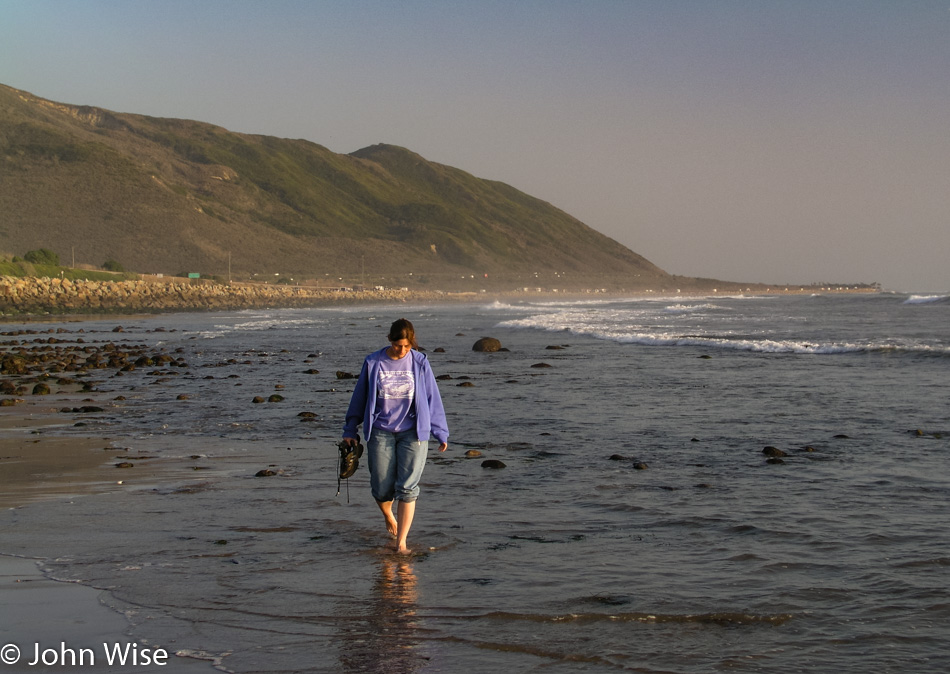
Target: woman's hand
(443, 446)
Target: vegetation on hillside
(43, 262)
(166, 194)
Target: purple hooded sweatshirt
(430, 415)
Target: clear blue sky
(749, 140)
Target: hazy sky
(749, 140)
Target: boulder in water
(493, 463)
(487, 345)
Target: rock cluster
(32, 361)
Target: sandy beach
(39, 611)
(35, 467)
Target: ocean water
(637, 525)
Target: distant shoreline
(32, 297)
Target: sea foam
(926, 299)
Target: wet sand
(40, 610)
(37, 465)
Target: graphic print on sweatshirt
(396, 385)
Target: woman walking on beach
(397, 401)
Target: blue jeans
(395, 461)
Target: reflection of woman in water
(387, 637)
(397, 401)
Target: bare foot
(396, 549)
(386, 508)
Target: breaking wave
(645, 329)
(724, 618)
(926, 299)
(690, 308)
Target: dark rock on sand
(345, 375)
(541, 365)
(472, 454)
(640, 466)
(438, 350)
(493, 463)
(275, 398)
(774, 460)
(41, 389)
(617, 457)
(267, 472)
(842, 436)
(257, 399)
(124, 464)
(443, 377)
(773, 452)
(308, 415)
(183, 396)
(487, 345)
(466, 384)
(13, 365)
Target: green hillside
(169, 195)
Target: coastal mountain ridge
(171, 195)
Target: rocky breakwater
(54, 295)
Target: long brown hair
(403, 329)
